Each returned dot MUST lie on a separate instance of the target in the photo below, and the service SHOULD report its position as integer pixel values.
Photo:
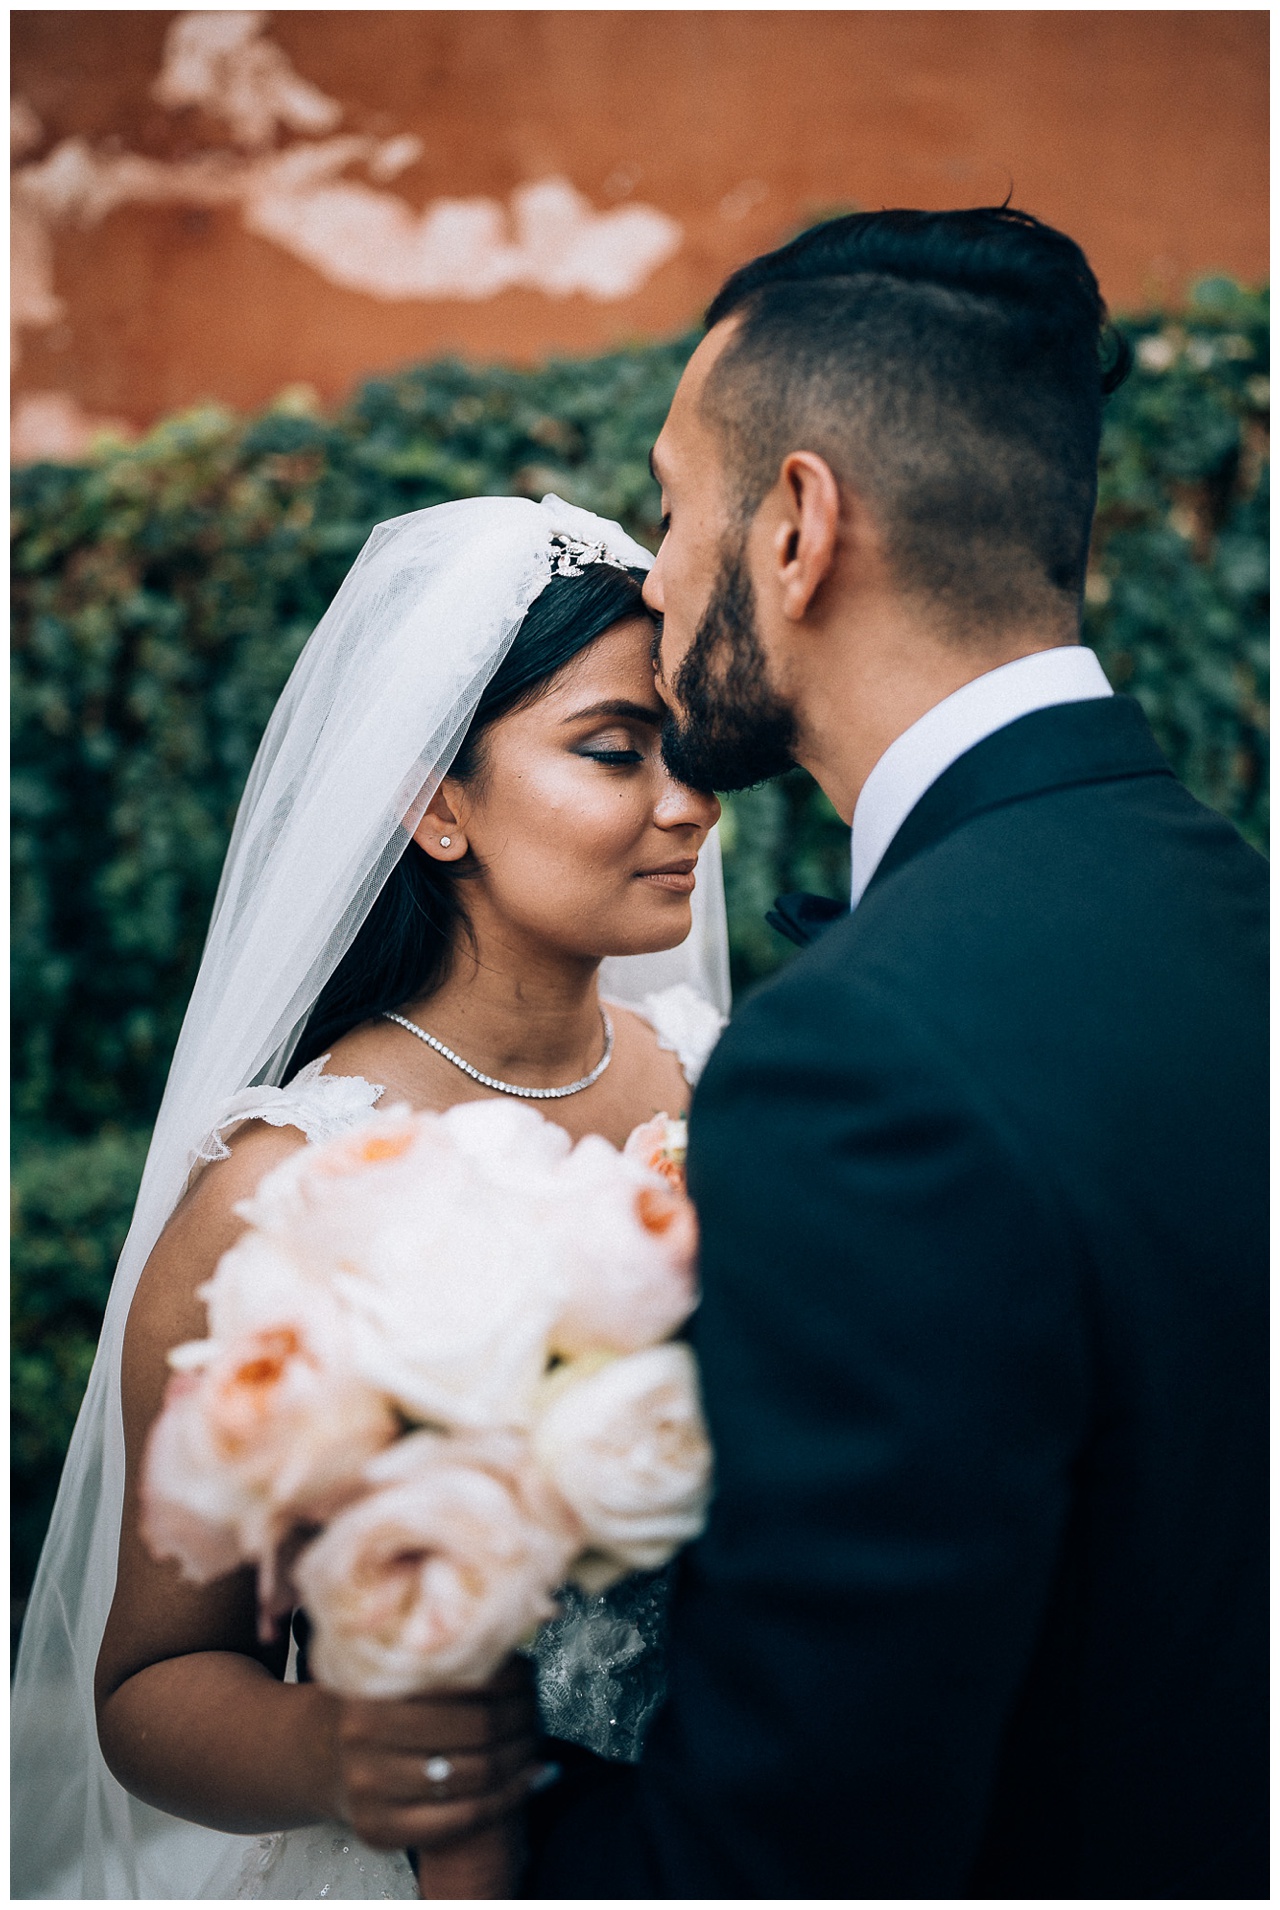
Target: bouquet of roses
(439, 1383)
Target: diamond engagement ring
(438, 1770)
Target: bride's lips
(678, 877)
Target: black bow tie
(802, 918)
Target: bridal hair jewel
(570, 556)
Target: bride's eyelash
(614, 756)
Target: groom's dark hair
(951, 366)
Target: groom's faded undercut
(951, 367)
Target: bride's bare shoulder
(252, 1151)
(653, 1071)
(166, 1310)
(376, 1051)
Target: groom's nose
(652, 591)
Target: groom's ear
(807, 532)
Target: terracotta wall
(218, 205)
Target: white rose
(456, 1328)
(511, 1145)
(433, 1578)
(626, 1448)
(427, 1231)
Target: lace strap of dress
(686, 1023)
(320, 1105)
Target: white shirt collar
(916, 759)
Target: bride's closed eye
(618, 732)
(624, 757)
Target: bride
(460, 869)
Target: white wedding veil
(364, 731)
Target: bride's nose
(679, 807)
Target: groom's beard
(732, 729)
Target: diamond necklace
(509, 1087)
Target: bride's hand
(430, 1773)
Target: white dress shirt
(916, 759)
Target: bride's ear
(440, 833)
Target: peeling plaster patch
(466, 248)
(33, 303)
(368, 241)
(393, 156)
(51, 425)
(743, 199)
(25, 130)
(548, 237)
(220, 61)
(620, 182)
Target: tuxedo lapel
(1102, 740)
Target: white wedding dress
(599, 1663)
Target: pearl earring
(446, 842)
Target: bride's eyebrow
(637, 712)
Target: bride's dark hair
(405, 944)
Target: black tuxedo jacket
(981, 1606)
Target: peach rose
(628, 1250)
(301, 1200)
(497, 1143)
(661, 1145)
(259, 1284)
(188, 1512)
(254, 1437)
(433, 1577)
(625, 1447)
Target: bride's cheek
(618, 831)
(598, 820)
(564, 841)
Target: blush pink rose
(626, 1448)
(629, 1242)
(254, 1437)
(433, 1577)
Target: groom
(981, 1606)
